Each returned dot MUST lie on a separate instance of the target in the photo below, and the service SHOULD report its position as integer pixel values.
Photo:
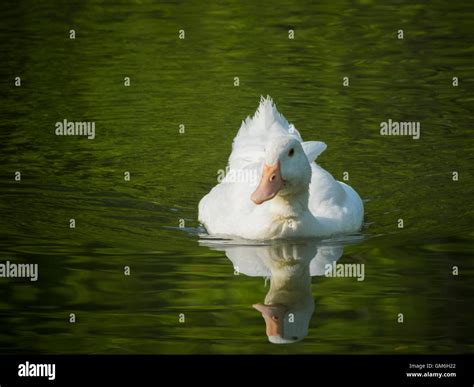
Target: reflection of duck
(289, 303)
(295, 197)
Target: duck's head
(286, 325)
(286, 170)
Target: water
(191, 82)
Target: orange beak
(270, 183)
(273, 316)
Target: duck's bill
(273, 316)
(270, 183)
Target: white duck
(295, 198)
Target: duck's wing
(326, 256)
(246, 260)
(337, 206)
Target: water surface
(191, 82)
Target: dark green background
(191, 82)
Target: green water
(191, 82)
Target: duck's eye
(291, 152)
(275, 318)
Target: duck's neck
(295, 276)
(290, 206)
(289, 284)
